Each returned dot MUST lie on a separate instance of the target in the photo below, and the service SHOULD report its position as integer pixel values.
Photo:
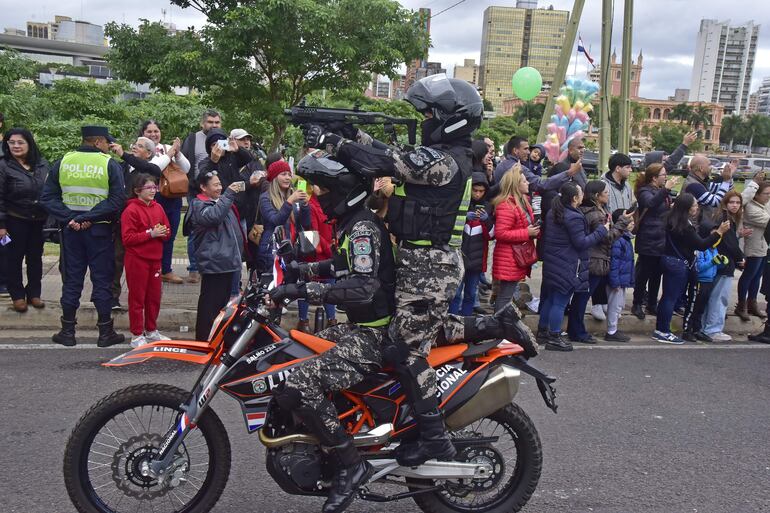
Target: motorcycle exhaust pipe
(497, 392)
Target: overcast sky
(665, 30)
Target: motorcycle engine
(297, 468)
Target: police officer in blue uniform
(85, 193)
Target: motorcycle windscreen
(181, 350)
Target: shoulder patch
(362, 246)
(363, 263)
(423, 156)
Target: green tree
(733, 128)
(13, 68)
(260, 57)
(667, 136)
(530, 114)
(638, 112)
(757, 125)
(502, 128)
(488, 106)
(700, 117)
(682, 112)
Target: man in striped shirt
(707, 193)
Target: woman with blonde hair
(515, 231)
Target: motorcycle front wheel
(108, 452)
(515, 458)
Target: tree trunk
(751, 141)
(730, 146)
(278, 131)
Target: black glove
(313, 135)
(284, 294)
(343, 129)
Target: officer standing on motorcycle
(364, 266)
(426, 214)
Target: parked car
(748, 167)
(637, 159)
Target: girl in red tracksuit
(144, 228)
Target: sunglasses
(211, 174)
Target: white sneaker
(155, 336)
(138, 341)
(721, 337)
(598, 313)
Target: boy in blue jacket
(620, 278)
(707, 263)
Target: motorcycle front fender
(191, 351)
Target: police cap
(97, 131)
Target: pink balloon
(551, 128)
(562, 131)
(558, 111)
(571, 115)
(582, 116)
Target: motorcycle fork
(199, 400)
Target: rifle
(301, 115)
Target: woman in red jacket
(144, 228)
(514, 225)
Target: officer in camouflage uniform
(364, 266)
(426, 214)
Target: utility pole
(605, 92)
(561, 66)
(624, 126)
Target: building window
(656, 114)
(708, 135)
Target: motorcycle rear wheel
(115, 438)
(517, 434)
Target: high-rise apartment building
(763, 97)
(724, 63)
(469, 71)
(514, 37)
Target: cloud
(665, 30)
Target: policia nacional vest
(426, 215)
(379, 311)
(84, 179)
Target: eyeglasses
(211, 174)
(142, 146)
(17, 143)
(149, 188)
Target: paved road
(645, 429)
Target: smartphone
(302, 185)
(633, 207)
(223, 144)
(538, 222)
(241, 186)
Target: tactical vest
(84, 179)
(426, 215)
(377, 313)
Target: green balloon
(527, 83)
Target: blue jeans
(675, 279)
(552, 311)
(748, 283)
(464, 300)
(193, 266)
(716, 310)
(173, 209)
(576, 328)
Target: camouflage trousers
(426, 281)
(358, 353)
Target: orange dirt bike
(159, 448)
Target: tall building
(616, 71)
(753, 104)
(763, 97)
(680, 95)
(514, 37)
(64, 28)
(469, 71)
(724, 63)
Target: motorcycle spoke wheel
(515, 460)
(107, 459)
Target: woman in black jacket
(23, 172)
(653, 194)
(681, 243)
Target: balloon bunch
(570, 118)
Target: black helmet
(455, 104)
(347, 190)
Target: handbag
(173, 182)
(524, 254)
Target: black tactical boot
(557, 343)
(763, 337)
(66, 336)
(542, 335)
(352, 473)
(107, 335)
(434, 443)
(505, 324)
(638, 311)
